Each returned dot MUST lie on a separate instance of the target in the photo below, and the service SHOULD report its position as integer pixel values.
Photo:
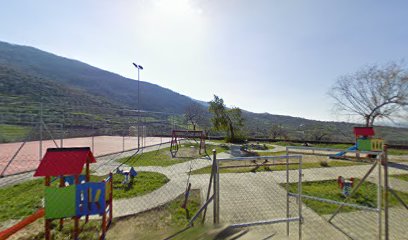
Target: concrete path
(178, 175)
(257, 197)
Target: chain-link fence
(27, 131)
(350, 195)
(253, 193)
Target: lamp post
(139, 67)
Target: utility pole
(139, 67)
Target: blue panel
(90, 198)
(132, 172)
(71, 179)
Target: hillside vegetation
(86, 100)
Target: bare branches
(373, 92)
(195, 114)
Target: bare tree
(277, 131)
(374, 92)
(195, 114)
(319, 134)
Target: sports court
(21, 157)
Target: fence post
(287, 191)
(41, 130)
(93, 139)
(385, 164)
(216, 189)
(379, 200)
(300, 197)
(62, 130)
(123, 142)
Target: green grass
(331, 163)
(163, 157)
(335, 146)
(12, 133)
(365, 196)
(179, 216)
(397, 152)
(284, 143)
(270, 153)
(143, 183)
(23, 199)
(403, 177)
(157, 223)
(391, 151)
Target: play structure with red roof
(76, 196)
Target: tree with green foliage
(229, 120)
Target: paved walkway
(178, 175)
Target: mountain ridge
(107, 88)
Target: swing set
(178, 135)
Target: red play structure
(365, 140)
(76, 196)
(177, 135)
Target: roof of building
(364, 131)
(64, 161)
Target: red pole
(22, 224)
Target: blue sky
(270, 56)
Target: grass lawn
(266, 153)
(331, 163)
(365, 196)
(21, 200)
(12, 133)
(284, 143)
(163, 156)
(143, 183)
(335, 146)
(156, 223)
(403, 177)
(397, 152)
(25, 198)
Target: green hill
(75, 74)
(88, 100)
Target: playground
(296, 191)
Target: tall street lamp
(139, 67)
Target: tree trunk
(372, 121)
(232, 132)
(367, 121)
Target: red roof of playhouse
(64, 161)
(364, 131)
